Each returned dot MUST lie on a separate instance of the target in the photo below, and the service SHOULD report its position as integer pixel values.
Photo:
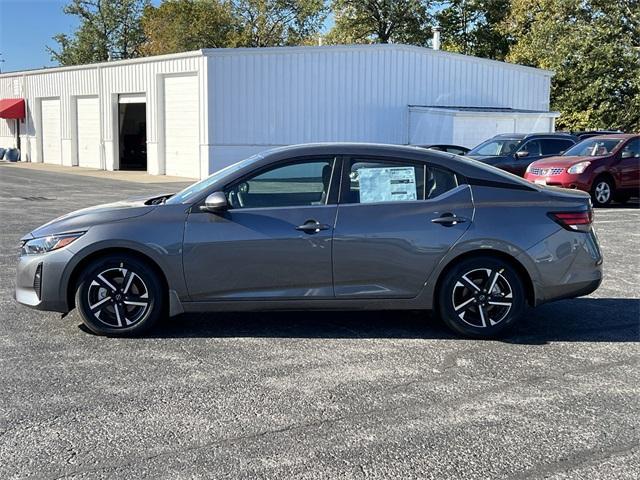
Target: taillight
(574, 221)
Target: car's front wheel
(481, 297)
(119, 295)
(602, 192)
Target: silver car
(326, 226)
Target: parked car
(455, 149)
(330, 226)
(608, 167)
(514, 152)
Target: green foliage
(381, 21)
(472, 27)
(183, 25)
(593, 47)
(265, 23)
(109, 29)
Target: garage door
(181, 132)
(51, 150)
(88, 132)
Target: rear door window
(633, 147)
(552, 146)
(373, 181)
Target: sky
(27, 28)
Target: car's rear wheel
(481, 297)
(119, 295)
(602, 192)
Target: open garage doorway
(132, 128)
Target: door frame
(115, 112)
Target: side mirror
(627, 154)
(216, 202)
(522, 154)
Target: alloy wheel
(602, 192)
(118, 297)
(482, 297)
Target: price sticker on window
(387, 184)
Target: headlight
(529, 168)
(47, 244)
(578, 167)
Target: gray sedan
(327, 226)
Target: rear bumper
(51, 295)
(568, 264)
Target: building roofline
(475, 111)
(377, 46)
(212, 52)
(113, 63)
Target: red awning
(12, 108)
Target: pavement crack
(591, 456)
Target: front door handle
(312, 226)
(448, 220)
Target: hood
(87, 217)
(493, 160)
(563, 161)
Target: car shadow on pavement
(575, 320)
(631, 204)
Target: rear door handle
(448, 220)
(312, 226)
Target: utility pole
(1, 62)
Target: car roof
(614, 136)
(462, 165)
(343, 148)
(530, 135)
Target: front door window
(294, 184)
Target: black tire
(602, 192)
(110, 294)
(468, 310)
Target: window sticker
(388, 184)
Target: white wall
(106, 80)
(432, 126)
(254, 99)
(261, 98)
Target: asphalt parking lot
(316, 395)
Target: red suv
(606, 166)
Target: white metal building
(192, 113)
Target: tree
(593, 47)
(264, 23)
(381, 21)
(183, 25)
(472, 27)
(109, 29)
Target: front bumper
(564, 180)
(52, 294)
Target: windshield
(192, 191)
(593, 148)
(491, 148)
